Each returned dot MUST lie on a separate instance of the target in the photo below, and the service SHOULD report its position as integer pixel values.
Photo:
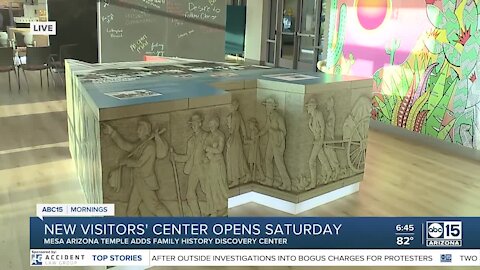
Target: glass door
(288, 41)
(309, 35)
(298, 44)
(273, 43)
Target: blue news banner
(254, 233)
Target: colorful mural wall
(423, 56)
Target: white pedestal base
(289, 207)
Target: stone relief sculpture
(330, 136)
(89, 179)
(276, 132)
(355, 131)
(216, 182)
(201, 156)
(237, 169)
(353, 142)
(141, 158)
(87, 156)
(316, 125)
(254, 155)
(194, 161)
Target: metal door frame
(317, 39)
(277, 41)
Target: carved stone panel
(240, 174)
(85, 150)
(163, 164)
(273, 138)
(338, 127)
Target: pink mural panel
(372, 26)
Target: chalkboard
(235, 29)
(131, 29)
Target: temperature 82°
(404, 240)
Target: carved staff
(177, 183)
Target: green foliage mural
(336, 48)
(336, 63)
(417, 99)
(392, 49)
(436, 91)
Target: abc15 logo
(446, 230)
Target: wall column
(256, 30)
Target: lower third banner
(312, 241)
(254, 233)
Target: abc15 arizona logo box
(443, 234)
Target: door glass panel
(323, 32)
(273, 19)
(289, 24)
(306, 49)
(289, 16)
(309, 11)
(287, 46)
(271, 52)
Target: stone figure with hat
(330, 136)
(316, 125)
(141, 158)
(276, 132)
(194, 161)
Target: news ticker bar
(284, 257)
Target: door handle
(305, 35)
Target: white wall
(256, 30)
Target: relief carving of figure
(237, 169)
(276, 132)
(348, 132)
(330, 136)
(216, 187)
(141, 158)
(194, 161)
(316, 125)
(355, 129)
(254, 155)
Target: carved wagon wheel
(357, 145)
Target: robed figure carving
(254, 157)
(237, 168)
(216, 187)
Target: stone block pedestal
(180, 138)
